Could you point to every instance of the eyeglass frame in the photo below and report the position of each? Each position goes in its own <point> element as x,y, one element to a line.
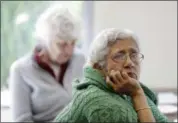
<point>125,57</point>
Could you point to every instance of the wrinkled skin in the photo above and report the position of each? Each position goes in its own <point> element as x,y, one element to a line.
<point>123,75</point>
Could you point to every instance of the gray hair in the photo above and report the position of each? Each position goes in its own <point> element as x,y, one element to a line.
<point>55,24</point>
<point>100,46</point>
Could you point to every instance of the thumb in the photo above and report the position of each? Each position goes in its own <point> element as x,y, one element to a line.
<point>109,82</point>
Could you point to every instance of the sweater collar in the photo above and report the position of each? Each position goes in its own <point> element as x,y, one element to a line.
<point>94,74</point>
<point>47,67</point>
<point>94,77</point>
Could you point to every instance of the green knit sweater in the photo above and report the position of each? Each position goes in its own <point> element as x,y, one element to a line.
<point>94,101</point>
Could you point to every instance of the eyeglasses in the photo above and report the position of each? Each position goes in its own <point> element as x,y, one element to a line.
<point>135,57</point>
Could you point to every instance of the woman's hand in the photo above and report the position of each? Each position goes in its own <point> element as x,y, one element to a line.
<point>123,84</point>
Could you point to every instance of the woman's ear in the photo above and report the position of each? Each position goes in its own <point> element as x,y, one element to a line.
<point>101,69</point>
<point>97,66</point>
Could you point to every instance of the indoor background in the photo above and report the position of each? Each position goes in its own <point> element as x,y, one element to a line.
<point>155,23</point>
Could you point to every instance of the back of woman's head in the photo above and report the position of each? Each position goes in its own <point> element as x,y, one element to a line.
<point>55,24</point>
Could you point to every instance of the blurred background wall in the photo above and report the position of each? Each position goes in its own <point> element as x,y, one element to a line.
<point>155,22</point>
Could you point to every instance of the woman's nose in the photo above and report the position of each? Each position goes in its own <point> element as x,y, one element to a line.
<point>128,62</point>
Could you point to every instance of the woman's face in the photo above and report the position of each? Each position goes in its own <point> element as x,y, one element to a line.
<point>124,55</point>
<point>61,51</point>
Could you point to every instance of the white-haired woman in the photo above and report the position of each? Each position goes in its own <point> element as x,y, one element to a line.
<point>110,90</point>
<point>40,83</point>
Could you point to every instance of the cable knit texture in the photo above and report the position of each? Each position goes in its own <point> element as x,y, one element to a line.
<point>95,101</point>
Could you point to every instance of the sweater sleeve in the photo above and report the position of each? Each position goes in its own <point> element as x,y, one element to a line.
<point>111,114</point>
<point>153,102</point>
<point>105,110</point>
<point>20,96</point>
<point>159,117</point>
<point>104,115</point>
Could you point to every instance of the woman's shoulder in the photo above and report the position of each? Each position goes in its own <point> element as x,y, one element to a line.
<point>90,93</point>
<point>91,96</point>
<point>87,90</point>
<point>20,63</point>
<point>96,103</point>
<point>90,101</point>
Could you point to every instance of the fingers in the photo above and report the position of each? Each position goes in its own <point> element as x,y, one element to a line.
<point>116,77</point>
<point>127,78</point>
<point>113,77</point>
<point>121,82</point>
<point>125,75</point>
<point>119,76</point>
<point>109,82</point>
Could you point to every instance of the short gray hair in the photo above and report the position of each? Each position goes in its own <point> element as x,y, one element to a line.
<point>100,46</point>
<point>57,23</point>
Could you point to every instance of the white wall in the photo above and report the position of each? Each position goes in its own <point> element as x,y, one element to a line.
<point>156,25</point>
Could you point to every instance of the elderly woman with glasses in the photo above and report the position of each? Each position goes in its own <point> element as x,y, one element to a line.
<point>110,90</point>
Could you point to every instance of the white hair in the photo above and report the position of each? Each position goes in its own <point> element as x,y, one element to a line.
<point>55,24</point>
<point>100,46</point>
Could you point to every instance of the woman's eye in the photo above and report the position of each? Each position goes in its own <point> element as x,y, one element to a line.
<point>134,55</point>
<point>119,56</point>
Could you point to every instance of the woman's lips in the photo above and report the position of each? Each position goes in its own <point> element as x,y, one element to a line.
<point>132,75</point>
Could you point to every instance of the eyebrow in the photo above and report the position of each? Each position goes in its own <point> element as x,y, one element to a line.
<point>133,50</point>
<point>124,51</point>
